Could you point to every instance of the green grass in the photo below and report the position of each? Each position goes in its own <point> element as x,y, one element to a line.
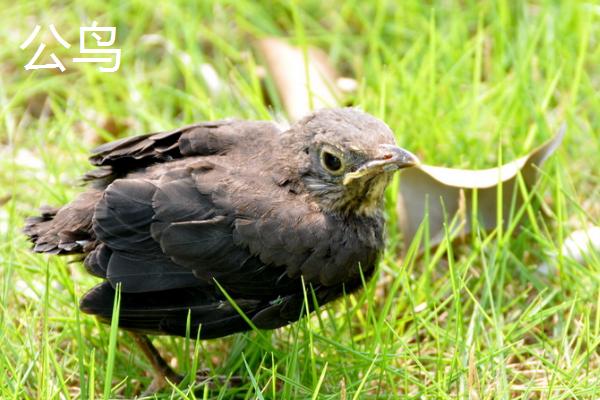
<point>458,84</point>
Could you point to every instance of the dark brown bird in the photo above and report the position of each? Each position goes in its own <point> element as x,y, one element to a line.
<point>237,206</point>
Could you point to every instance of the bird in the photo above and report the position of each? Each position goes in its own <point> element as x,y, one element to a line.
<point>218,227</point>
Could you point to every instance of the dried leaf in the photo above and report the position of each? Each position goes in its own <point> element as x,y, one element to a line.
<point>442,191</point>
<point>298,80</point>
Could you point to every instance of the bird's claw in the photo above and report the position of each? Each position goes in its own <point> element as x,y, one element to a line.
<point>204,377</point>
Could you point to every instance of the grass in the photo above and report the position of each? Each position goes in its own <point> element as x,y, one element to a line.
<point>461,85</point>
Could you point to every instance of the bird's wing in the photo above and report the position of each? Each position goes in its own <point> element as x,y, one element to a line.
<point>165,234</point>
<point>117,158</point>
<point>161,239</point>
<point>68,230</point>
<point>161,236</point>
<point>156,230</point>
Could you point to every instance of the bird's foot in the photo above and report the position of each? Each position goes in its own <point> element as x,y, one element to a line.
<point>164,375</point>
<point>204,377</point>
<point>161,381</point>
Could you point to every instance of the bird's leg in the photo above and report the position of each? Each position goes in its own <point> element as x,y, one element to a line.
<point>162,370</point>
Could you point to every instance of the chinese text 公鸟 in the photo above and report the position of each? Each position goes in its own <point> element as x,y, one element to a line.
<point>98,52</point>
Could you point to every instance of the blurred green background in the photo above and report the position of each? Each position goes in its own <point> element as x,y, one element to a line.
<point>461,83</point>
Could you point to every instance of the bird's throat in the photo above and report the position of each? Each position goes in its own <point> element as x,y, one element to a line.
<point>366,197</point>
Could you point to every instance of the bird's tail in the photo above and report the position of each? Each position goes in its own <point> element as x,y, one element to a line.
<point>66,230</point>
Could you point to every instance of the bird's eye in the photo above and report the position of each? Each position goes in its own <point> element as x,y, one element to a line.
<point>331,162</point>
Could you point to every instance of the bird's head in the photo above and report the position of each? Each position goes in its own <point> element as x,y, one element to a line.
<point>346,158</point>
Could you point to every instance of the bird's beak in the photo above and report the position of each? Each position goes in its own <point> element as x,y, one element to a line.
<point>389,158</point>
